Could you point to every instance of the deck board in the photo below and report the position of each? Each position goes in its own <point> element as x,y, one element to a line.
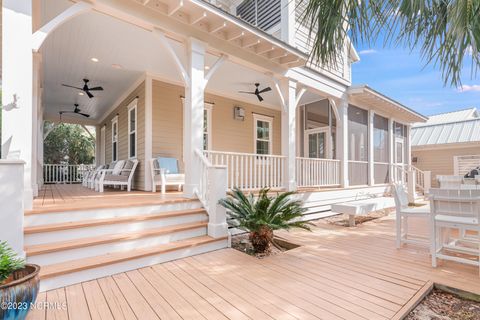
<point>337,273</point>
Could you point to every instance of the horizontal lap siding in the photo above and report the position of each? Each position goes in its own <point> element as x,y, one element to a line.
<point>122,112</point>
<point>227,134</point>
<point>440,162</point>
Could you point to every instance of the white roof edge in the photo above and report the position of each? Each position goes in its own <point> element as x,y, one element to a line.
<point>352,51</point>
<point>359,89</point>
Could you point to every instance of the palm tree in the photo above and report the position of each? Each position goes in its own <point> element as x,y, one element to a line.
<point>261,215</point>
<point>445,31</point>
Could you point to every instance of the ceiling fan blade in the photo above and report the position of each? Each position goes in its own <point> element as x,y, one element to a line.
<point>89,94</point>
<point>95,89</point>
<point>249,92</point>
<point>69,86</point>
<point>259,98</point>
<point>265,90</point>
<point>62,112</point>
<point>84,114</point>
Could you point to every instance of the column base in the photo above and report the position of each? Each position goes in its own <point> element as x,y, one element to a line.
<point>217,230</point>
<point>292,186</point>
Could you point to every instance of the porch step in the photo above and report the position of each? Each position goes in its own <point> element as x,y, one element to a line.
<point>44,254</point>
<point>74,271</point>
<point>66,231</point>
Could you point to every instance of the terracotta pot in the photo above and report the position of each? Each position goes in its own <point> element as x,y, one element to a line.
<point>17,296</point>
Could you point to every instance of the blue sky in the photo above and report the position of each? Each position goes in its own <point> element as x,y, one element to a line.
<point>403,76</point>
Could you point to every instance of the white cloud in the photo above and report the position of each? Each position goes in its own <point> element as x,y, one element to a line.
<point>466,88</point>
<point>367,51</point>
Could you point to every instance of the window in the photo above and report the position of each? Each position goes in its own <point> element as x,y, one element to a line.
<point>262,134</point>
<point>207,127</point>
<point>132,129</point>
<point>115,139</point>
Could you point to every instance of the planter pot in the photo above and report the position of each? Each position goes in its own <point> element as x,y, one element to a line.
<point>17,296</point>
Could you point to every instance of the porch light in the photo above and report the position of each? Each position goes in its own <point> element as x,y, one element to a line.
<point>94,59</point>
<point>207,68</point>
<point>81,94</point>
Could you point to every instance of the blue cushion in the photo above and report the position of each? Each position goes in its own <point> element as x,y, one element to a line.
<point>169,164</point>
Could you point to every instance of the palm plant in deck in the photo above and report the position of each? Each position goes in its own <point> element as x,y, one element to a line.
<point>445,31</point>
<point>261,215</point>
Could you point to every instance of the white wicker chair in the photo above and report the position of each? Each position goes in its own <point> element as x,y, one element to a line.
<point>118,176</point>
<point>164,172</point>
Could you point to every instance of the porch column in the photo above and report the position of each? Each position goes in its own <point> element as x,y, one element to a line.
<point>408,154</point>
<point>371,159</point>
<point>391,145</point>
<point>342,140</point>
<point>148,132</point>
<point>289,89</point>
<point>17,86</point>
<point>193,112</point>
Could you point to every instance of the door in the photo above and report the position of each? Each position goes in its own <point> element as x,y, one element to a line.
<point>316,142</point>
<point>399,160</point>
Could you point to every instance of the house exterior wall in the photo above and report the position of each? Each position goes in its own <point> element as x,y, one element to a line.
<point>122,112</point>
<point>227,134</point>
<point>440,160</point>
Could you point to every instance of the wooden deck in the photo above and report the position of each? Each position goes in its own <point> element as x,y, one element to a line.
<point>64,197</point>
<point>337,273</point>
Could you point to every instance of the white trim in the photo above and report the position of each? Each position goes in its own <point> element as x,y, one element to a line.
<point>102,144</point>
<point>115,138</point>
<point>269,120</point>
<point>132,107</point>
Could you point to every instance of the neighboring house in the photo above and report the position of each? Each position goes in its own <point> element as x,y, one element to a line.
<point>173,73</point>
<point>448,143</point>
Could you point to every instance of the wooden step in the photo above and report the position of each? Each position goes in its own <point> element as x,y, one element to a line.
<point>109,238</point>
<point>113,220</point>
<point>63,268</point>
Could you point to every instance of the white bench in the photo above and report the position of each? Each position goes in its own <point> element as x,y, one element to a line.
<point>362,207</point>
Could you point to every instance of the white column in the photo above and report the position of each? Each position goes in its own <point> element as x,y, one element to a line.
<point>408,145</point>
<point>148,132</point>
<point>98,145</point>
<point>371,167</point>
<point>287,24</point>
<point>391,146</point>
<point>17,83</point>
<point>289,89</point>
<point>193,112</point>
<point>342,140</point>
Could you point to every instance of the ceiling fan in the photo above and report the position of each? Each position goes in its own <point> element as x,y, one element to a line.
<point>76,110</point>
<point>257,92</point>
<point>85,88</point>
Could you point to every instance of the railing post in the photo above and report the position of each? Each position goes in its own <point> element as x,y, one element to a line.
<point>217,216</point>
<point>427,181</point>
<point>411,183</point>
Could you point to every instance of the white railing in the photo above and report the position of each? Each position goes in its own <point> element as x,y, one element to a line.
<point>399,173</point>
<point>312,172</point>
<point>211,188</point>
<point>249,171</point>
<point>65,173</point>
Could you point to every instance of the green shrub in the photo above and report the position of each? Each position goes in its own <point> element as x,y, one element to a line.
<point>9,261</point>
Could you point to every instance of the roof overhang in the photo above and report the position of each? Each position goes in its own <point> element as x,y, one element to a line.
<point>375,100</point>
<point>208,20</point>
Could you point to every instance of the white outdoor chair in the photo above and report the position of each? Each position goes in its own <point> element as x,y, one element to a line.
<point>89,175</point>
<point>460,210</point>
<point>164,172</point>
<point>121,175</point>
<point>403,213</point>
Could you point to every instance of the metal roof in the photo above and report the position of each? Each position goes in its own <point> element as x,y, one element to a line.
<point>462,131</point>
<point>453,116</point>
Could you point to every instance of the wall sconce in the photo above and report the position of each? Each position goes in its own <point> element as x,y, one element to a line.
<point>238,113</point>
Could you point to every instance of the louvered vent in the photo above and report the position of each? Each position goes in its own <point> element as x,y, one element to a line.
<point>263,14</point>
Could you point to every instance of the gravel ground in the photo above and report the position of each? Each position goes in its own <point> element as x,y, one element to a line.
<point>241,243</point>
<point>440,305</point>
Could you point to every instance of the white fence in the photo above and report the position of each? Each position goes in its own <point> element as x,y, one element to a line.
<point>249,171</point>
<point>312,172</point>
<point>65,173</point>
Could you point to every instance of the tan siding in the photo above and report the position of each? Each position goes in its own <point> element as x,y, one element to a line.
<point>440,161</point>
<point>121,110</point>
<point>227,134</point>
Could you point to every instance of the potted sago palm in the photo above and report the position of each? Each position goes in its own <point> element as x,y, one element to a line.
<point>261,215</point>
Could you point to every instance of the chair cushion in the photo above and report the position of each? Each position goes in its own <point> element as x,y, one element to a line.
<point>117,169</point>
<point>169,164</point>
<point>116,178</point>
<point>127,168</point>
